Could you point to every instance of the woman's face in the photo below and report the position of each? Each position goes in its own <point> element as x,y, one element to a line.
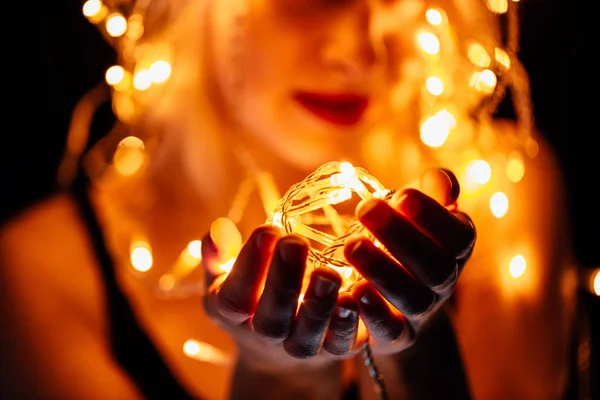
<point>315,75</point>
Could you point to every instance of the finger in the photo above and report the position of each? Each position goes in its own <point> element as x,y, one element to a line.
<point>400,288</point>
<point>210,261</point>
<point>420,255</point>
<point>237,297</point>
<point>441,185</point>
<point>383,322</point>
<point>278,303</point>
<point>343,327</point>
<point>451,231</point>
<point>320,299</point>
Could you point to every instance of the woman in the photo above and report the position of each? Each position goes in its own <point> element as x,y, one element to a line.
<point>272,89</point>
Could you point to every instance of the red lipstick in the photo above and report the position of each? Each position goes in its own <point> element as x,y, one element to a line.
<point>341,109</point>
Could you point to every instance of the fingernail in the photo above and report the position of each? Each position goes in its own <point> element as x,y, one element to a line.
<point>367,297</point>
<point>376,214</point>
<point>265,239</point>
<point>409,203</point>
<point>292,250</point>
<point>357,249</point>
<point>324,286</point>
<point>343,312</point>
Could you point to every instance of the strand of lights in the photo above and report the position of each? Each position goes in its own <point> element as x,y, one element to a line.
<point>140,70</point>
<point>330,185</point>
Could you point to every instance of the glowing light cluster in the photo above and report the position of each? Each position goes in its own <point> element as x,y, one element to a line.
<point>309,205</point>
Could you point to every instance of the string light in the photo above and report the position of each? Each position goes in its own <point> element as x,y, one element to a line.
<point>484,81</point>
<point>116,25</point>
<point>160,71</point>
<point>429,43</point>
<point>596,282</point>
<point>205,352</point>
<point>436,129</point>
<point>499,204</point>
<point>141,256</point>
<point>330,185</point>
<point>434,85</point>
<point>502,57</point>
<point>498,6</point>
<point>517,266</point>
<point>434,16</point>
<point>478,55</point>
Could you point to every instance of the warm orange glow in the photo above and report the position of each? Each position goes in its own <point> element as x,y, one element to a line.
<point>515,167</point>
<point>478,171</point>
<point>434,85</point>
<point>436,129</point>
<point>596,283</point>
<point>499,204</point>
<point>498,6</point>
<point>160,71</point>
<point>429,42</point>
<point>478,55</point>
<point>129,156</point>
<point>227,265</point>
<point>141,256</point>
<point>205,352</point>
<point>135,27</point>
<point>502,57</point>
<point>484,81</point>
<point>92,8</point>
<point>116,25</point>
<point>434,16</point>
<point>114,75</point>
<point>517,266</point>
<point>194,249</point>
<point>142,80</point>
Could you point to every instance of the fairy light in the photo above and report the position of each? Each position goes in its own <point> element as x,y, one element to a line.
<point>484,81</point>
<point>205,352</point>
<point>502,57</point>
<point>429,43</point>
<point>142,80</point>
<point>331,184</point>
<point>434,85</point>
<point>116,25</point>
<point>499,204</point>
<point>478,55</point>
<point>478,171</point>
<point>141,256</point>
<point>595,280</point>
<point>498,6</point>
<point>515,167</point>
<point>517,266</point>
<point>159,71</point>
<point>129,156</point>
<point>436,129</point>
<point>114,75</point>
<point>434,16</point>
<point>92,8</point>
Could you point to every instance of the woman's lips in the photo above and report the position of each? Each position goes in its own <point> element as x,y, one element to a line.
<point>341,109</point>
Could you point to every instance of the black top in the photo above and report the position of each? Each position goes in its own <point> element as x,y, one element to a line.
<point>131,346</point>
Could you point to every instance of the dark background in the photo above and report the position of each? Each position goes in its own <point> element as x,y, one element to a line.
<point>50,56</point>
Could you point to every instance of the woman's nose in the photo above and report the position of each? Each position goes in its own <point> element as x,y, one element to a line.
<point>352,45</point>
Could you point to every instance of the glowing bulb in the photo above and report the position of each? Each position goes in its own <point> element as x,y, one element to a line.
<point>205,352</point>
<point>434,16</point>
<point>478,171</point>
<point>517,266</point>
<point>515,167</point>
<point>160,71</point>
<point>429,42</point>
<point>116,25</point>
<point>114,75</point>
<point>498,6</point>
<point>502,57</point>
<point>499,204</point>
<point>596,283</point>
<point>135,28</point>
<point>194,248</point>
<point>484,81</point>
<point>92,8</point>
<point>129,156</point>
<point>142,80</point>
<point>434,85</point>
<point>436,129</point>
<point>478,55</point>
<point>141,256</point>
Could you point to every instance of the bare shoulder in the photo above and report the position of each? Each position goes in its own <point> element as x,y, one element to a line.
<point>53,309</point>
<point>46,248</point>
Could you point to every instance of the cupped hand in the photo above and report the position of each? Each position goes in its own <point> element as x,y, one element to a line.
<point>257,302</point>
<point>428,242</point>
